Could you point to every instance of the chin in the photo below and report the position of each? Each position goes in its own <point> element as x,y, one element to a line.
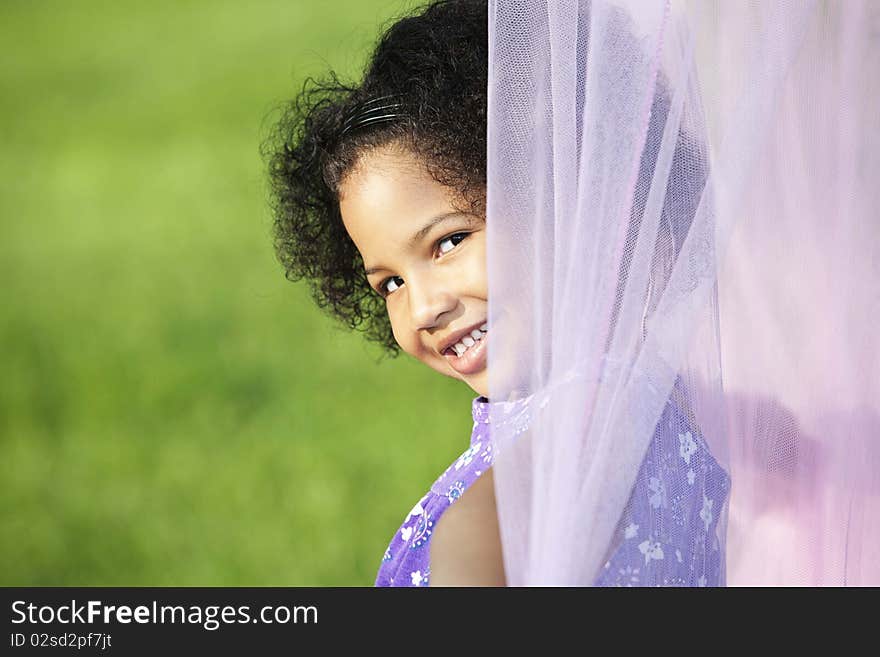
<point>479,383</point>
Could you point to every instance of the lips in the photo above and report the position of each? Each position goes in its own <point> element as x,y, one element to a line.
<point>449,343</point>
<point>471,361</point>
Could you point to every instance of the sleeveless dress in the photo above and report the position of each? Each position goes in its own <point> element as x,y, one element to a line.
<point>678,480</point>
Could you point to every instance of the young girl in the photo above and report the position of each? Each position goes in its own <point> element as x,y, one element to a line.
<point>380,202</point>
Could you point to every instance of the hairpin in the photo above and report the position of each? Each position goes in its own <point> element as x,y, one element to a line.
<point>371,112</point>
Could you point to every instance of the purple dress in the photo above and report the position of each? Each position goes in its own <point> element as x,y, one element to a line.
<point>678,479</point>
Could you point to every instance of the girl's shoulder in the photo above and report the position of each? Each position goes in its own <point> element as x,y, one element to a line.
<point>407,560</point>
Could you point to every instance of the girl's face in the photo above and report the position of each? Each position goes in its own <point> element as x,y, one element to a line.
<point>426,258</point>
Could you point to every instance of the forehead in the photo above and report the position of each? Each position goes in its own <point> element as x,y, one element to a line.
<point>387,196</point>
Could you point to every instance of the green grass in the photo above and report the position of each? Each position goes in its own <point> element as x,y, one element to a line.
<point>172,411</point>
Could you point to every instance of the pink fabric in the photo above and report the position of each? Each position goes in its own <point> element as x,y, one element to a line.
<point>682,205</point>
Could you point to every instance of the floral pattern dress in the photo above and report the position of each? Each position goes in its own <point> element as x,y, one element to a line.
<point>679,482</point>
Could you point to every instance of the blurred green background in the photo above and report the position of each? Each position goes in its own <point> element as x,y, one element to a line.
<point>172,411</point>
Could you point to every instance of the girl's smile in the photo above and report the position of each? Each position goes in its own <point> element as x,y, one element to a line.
<point>467,353</point>
<point>426,257</point>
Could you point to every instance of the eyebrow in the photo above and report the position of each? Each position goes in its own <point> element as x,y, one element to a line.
<point>424,230</point>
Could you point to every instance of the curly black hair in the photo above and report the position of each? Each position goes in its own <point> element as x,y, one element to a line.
<point>434,64</point>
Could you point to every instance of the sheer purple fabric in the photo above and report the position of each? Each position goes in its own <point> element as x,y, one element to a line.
<point>682,208</point>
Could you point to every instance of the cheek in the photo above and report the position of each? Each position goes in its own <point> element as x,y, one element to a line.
<point>479,275</point>
<point>403,338</point>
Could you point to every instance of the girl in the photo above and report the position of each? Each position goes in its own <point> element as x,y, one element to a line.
<point>380,193</point>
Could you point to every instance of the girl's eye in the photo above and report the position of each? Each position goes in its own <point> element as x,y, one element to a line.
<point>445,245</point>
<point>385,288</point>
<point>448,243</point>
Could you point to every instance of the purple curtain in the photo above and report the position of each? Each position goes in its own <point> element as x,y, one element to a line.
<point>684,275</point>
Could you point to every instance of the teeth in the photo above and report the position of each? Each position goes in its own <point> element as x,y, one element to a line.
<point>469,341</point>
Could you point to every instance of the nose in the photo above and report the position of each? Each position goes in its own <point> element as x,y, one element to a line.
<point>429,299</point>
